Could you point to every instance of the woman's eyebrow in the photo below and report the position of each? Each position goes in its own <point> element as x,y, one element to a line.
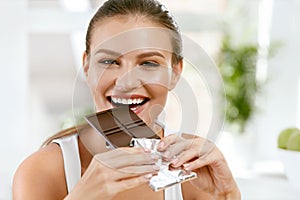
<point>109,52</point>
<point>150,54</point>
<point>142,55</point>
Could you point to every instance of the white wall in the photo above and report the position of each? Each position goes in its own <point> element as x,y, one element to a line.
<point>13,87</point>
<point>279,99</point>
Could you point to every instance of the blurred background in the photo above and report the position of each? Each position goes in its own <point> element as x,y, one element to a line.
<point>255,44</point>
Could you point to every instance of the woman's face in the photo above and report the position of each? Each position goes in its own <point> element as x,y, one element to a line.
<point>130,64</point>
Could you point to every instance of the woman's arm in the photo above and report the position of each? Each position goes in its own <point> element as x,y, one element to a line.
<point>41,176</point>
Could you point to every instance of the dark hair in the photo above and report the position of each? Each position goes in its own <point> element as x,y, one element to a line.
<point>150,9</point>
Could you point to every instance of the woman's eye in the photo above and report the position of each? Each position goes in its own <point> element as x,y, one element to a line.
<point>150,64</point>
<point>108,62</point>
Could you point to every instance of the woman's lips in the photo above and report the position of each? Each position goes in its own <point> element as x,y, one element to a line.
<point>138,109</point>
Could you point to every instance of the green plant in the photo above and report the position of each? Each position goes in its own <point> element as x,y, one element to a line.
<point>237,65</point>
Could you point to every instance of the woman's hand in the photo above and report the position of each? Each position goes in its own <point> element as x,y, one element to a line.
<point>203,157</point>
<point>115,171</point>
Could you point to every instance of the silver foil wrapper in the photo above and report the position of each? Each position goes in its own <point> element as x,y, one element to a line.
<point>166,177</point>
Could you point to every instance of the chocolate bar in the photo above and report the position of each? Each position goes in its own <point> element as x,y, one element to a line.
<point>119,125</point>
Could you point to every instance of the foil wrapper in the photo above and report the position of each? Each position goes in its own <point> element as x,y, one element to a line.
<point>166,176</point>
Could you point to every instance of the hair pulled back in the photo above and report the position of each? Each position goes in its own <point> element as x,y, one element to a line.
<point>150,9</point>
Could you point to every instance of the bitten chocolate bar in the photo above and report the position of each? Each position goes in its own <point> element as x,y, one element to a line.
<point>119,125</point>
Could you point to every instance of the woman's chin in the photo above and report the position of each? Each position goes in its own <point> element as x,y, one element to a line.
<point>148,114</point>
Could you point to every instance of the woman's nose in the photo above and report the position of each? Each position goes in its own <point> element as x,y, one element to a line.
<point>128,81</point>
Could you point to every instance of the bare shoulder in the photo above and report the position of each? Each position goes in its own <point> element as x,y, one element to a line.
<point>41,175</point>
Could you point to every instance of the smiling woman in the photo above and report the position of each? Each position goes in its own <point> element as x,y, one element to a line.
<point>133,58</point>
<point>140,78</point>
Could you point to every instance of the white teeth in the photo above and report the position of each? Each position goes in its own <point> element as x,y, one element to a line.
<point>133,108</point>
<point>127,101</point>
<point>119,100</point>
<point>139,101</point>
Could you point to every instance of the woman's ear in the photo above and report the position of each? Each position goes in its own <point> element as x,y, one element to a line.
<point>176,73</point>
<point>85,63</point>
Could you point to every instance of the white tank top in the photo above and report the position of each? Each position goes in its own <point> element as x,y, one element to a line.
<point>72,166</point>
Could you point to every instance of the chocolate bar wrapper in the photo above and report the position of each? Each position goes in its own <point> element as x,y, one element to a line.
<point>166,177</point>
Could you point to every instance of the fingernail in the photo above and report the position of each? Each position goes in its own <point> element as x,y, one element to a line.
<point>174,161</point>
<point>161,145</point>
<point>167,154</point>
<point>148,176</point>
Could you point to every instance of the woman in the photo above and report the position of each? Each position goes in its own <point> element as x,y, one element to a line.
<point>132,57</point>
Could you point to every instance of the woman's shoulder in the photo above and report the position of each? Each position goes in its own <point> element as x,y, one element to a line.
<point>40,160</point>
<point>40,174</point>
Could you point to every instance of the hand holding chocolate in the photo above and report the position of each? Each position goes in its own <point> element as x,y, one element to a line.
<point>120,127</point>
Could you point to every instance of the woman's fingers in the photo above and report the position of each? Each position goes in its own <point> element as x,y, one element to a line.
<point>175,149</point>
<point>130,183</point>
<point>180,146</point>
<point>133,171</point>
<point>197,163</point>
<point>126,158</point>
<point>127,168</point>
<point>174,144</point>
<point>187,150</point>
<point>211,158</point>
<point>167,141</point>
<point>113,187</point>
<point>115,174</point>
<point>130,160</point>
<point>184,157</point>
<point>119,152</point>
<point>127,163</point>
